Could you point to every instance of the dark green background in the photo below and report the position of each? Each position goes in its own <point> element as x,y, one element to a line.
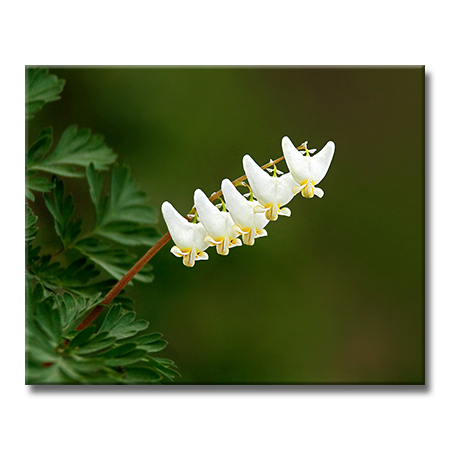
<point>335,293</point>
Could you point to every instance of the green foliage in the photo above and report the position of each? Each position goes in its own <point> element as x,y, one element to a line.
<point>30,220</point>
<point>40,88</point>
<point>62,209</point>
<point>58,353</point>
<point>123,216</point>
<point>75,151</point>
<point>64,287</point>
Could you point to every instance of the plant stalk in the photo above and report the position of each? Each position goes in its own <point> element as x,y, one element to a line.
<point>146,258</point>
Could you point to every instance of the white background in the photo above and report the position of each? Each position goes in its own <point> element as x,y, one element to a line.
<point>226,33</point>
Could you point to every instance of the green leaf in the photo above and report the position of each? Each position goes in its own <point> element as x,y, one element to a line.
<point>62,209</point>
<point>123,216</point>
<point>117,262</point>
<point>100,342</point>
<point>30,220</point>
<point>76,150</point>
<point>130,358</point>
<point>127,202</point>
<point>129,234</point>
<point>29,195</point>
<point>126,303</point>
<point>82,337</point>
<point>139,375</point>
<point>74,278</point>
<point>119,351</point>
<point>111,318</point>
<point>40,88</point>
<point>164,367</point>
<point>95,185</point>
<point>40,147</point>
<point>78,274</point>
<point>73,309</point>
<point>39,184</point>
<point>146,339</point>
<point>155,346</point>
<point>122,324</point>
<point>48,320</point>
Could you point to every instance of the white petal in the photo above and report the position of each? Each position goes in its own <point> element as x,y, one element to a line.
<point>296,162</point>
<point>285,212</point>
<point>319,192</point>
<point>211,218</point>
<point>238,229</point>
<point>261,233</point>
<point>260,221</point>
<point>260,181</point>
<point>211,241</point>
<point>321,162</point>
<point>235,243</point>
<point>286,183</point>
<point>258,209</point>
<point>202,256</point>
<point>176,251</point>
<point>199,236</point>
<point>179,228</point>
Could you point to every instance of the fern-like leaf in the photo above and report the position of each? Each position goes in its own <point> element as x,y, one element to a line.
<point>123,216</point>
<point>40,88</point>
<point>76,149</point>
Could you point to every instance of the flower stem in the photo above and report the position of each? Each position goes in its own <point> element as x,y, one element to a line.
<point>146,258</point>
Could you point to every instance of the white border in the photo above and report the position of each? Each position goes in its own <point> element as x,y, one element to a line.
<point>231,33</point>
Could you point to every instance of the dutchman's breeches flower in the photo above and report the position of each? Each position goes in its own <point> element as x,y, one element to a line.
<point>242,217</point>
<point>218,224</point>
<point>272,192</point>
<point>247,223</point>
<point>308,171</point>
<point>188,237</point>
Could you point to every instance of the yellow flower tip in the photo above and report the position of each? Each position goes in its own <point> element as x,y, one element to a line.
<point>189,258</point>
<point>272,212</point>
<point>296,190</point>
<point>210,240</point>
<point>249,237</point>
<point>223,248</point>
<point>308,191</point>
<point>239,230</point>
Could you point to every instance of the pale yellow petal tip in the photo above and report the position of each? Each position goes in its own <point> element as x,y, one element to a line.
<point>176,251</point>
<point>261,233</point>
<point>319,192</point>
<point>285,212</point>
<point>235,243</point>
<point>259,209</point>
<point>296,189</point>
<point>202,256</point>
<point>237,229</point>
<point>211,241</point>
<point>223,248</point>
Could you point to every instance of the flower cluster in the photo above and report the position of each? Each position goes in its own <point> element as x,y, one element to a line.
<point>221,225</point>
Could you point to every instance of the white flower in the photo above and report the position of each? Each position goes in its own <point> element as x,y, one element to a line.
<point>272,192</point>
<point>247,223</point>
<point>307,170</point>
<point>188,237</point>
<point>218,224</point>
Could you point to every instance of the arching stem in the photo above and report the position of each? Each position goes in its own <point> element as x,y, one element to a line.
<point>146,258</point>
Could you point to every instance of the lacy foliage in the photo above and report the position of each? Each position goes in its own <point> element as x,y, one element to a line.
<point>64,287</point>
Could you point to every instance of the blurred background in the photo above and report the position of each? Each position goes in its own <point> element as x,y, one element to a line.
<point>335,293</point>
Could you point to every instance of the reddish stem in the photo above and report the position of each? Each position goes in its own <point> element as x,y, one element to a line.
<point>146,258</point>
